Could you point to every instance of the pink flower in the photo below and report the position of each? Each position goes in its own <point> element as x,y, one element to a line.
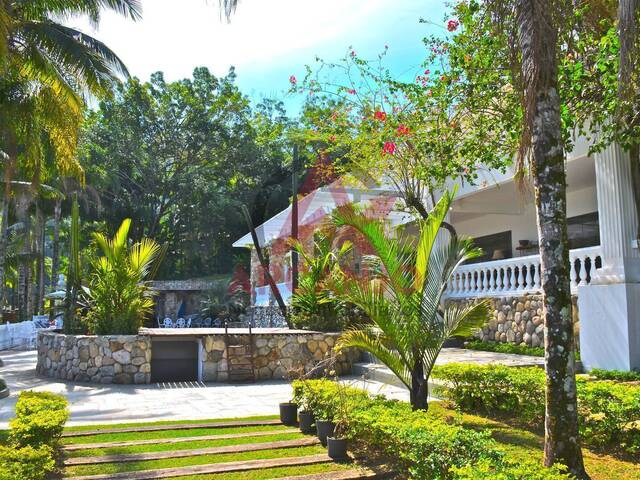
<point>351,91</point>
<point>380,116</point>
<point>403,130</point>
<point>353,54</point>
<point>452,25</point>
<point>293,80</point>
<point>427,72</point>
<point>389,148</point>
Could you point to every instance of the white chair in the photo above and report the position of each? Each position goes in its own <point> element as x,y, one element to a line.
<point>168,323</point>
<point>180,323</point>
<point>189,322</point>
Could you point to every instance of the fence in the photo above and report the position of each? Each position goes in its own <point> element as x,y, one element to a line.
<point>18,336</point>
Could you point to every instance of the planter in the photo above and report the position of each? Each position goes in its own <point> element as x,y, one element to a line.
<point>324,429</point>
<point>305,421</point>
<point>4,393</point>
<point>289,413</point>
<point>337,448</point>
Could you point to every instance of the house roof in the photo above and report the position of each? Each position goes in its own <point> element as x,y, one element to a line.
<point>315,206</point>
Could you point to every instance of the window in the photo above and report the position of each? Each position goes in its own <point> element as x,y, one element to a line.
<point>583,231</point>
<point>494,247</point>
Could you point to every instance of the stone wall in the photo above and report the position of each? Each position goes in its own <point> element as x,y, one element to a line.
<point>95,358</point>
<point>518,319</point>
<point>264,317</point>
<point>275,354</point>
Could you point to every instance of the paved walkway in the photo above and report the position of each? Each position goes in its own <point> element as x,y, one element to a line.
<point>130,403</point>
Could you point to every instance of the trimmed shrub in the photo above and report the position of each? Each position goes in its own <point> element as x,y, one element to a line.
<point>40,419</point>
<point>609,411</point>
<point>619,375</point>
<point>504,348</point>
<point>26,463</point>
<point>413,441</point>
<point>485,470</point>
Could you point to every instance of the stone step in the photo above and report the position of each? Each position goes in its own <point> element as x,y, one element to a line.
<point>183,426</point>
<point>156,441</point>
<point>382,374</point>
<point>138,457</point>
<point>241,466</point>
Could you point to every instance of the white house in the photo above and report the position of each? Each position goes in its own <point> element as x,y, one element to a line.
<point>605,259</point>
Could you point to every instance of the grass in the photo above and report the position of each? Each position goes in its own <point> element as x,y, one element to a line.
<point>125,436</point>
<point>268,473</point>
<point>522,444</point>
<point>164,447</point>
<point>107,468</point>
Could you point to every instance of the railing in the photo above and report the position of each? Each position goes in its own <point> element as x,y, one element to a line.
<point>18,336</point>
<point>516,276</point>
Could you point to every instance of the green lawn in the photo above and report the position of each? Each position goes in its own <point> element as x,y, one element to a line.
<point>522,444</point>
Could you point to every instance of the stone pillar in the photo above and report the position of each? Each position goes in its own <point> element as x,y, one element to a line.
<point>610,306</point>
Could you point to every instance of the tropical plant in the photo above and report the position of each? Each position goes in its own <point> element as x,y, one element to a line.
<point>118,298</point>
<point>313,299</point>
<point>403,298</point>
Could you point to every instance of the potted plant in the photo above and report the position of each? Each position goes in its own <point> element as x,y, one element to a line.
<point>336,439</point>
<point>306,418</point>
<point>289,413</point>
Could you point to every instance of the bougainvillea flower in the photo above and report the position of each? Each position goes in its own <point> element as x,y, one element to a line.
<point>403,130</point>
<point>389,148</point>
<point>351,91</point>
<point>293,80</point>
<point>380,116</point>
<point>452,25</point>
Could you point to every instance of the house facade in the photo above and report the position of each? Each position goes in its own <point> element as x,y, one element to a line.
<point>500,216</point>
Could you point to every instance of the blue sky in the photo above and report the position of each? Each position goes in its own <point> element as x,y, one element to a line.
<point>268,40</point>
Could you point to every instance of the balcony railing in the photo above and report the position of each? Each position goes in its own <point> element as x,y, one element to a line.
<point>519,275</point>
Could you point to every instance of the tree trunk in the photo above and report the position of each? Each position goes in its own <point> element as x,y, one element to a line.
<point>55,247</point>
<point>40,261</point>
<point>419,392</point>
<point>538,43</point>
<point>4,219</point>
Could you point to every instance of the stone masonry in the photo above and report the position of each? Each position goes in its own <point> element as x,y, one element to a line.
<point>95,358</point>
<point>519,320</point>
<point>275,356</point>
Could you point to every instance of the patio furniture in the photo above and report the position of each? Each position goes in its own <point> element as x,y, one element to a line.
<point>196,322</point>
<point>168,323</point>
<point>180,323</point>
<point>188,322</point>
<point>206,323</point>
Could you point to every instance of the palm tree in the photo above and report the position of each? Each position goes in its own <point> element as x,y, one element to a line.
<point>533,27</point>
<point>403,298</point>
<point>118,297</point>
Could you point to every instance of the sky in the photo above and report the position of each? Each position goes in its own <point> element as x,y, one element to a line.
<point>268,40</point>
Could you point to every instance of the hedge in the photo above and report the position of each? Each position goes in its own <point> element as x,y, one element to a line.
<point>33,436</point>
<point>609,412</point>
<point>413,442</point>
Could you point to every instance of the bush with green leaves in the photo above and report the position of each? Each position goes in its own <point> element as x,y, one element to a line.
<point>40,419</point>
<point>26,463</point>
<point>609,412</point>
<point>118,297</point>
<point>618,375</point>
<point>504,348</point>
<point>413,441</point>
<point>509,470</point>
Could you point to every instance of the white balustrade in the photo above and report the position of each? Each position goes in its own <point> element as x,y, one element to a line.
<point>515,276</point>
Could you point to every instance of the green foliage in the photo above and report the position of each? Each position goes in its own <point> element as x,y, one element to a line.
<point>412,441</point>
<point>504,348</point>
<point>40,419</point>
<point>179,158</point>
<point>609,412</point>
<point>510,470</point>
<point>118,297</point>
<point>618,375</point>
<point>403,296</point>
<point>26,463</point>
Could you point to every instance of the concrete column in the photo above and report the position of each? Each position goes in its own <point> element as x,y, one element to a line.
<point>610,306</point>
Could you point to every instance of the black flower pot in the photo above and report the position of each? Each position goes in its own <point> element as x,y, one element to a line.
<point>289,413</point>
<point>337,448</point>
<point>4,392</point>
<point>324,428</point>
<point>305,421</point>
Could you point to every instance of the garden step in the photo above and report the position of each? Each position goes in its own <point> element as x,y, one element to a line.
<point>240,466</point>
<point>380,373</point>
<point>352,474</point>
<point>138,457</point>
<point>184,426</point>
<point>154,441</point>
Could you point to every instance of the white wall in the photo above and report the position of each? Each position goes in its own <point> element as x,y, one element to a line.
<point>523,226</point>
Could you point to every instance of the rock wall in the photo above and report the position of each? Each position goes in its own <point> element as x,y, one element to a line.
<point>95,358</point>
<point>518,319</point>
<point>276,355</point>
